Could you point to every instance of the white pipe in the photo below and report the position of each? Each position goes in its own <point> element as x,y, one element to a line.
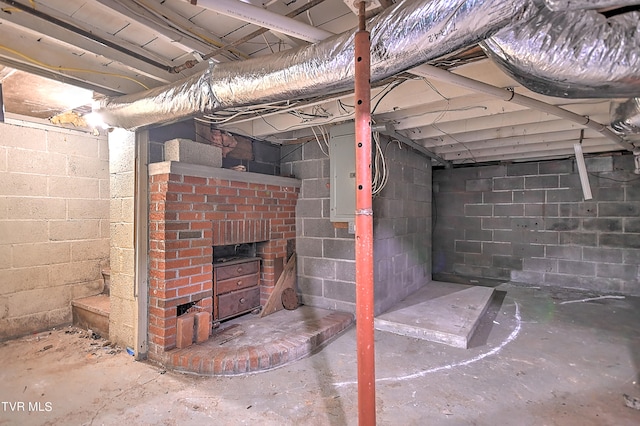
<point>582,171</point>
<point>428,71</point>
<point>266,19</point>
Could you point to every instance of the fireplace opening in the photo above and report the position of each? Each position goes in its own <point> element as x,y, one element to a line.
<point>236,281</point>
<point>185,308</point>
<point>222,254</point>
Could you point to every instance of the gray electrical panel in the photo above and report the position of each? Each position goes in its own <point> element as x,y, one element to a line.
<point>342,167</point>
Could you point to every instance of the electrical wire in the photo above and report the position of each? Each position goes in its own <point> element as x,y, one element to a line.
<point>460,142</point>
<point>318,140</point>
<point>182,29</point>
<point>70,69</point>
<point>599,176</point>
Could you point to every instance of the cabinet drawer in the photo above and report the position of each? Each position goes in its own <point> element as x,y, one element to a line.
<point>238,302</point>
<point>230,271</point>
<point>237,283</point>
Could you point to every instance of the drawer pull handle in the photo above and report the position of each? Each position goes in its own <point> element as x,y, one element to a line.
<point>242,300</point>
<point>239,283</point>
<point>239,268</point>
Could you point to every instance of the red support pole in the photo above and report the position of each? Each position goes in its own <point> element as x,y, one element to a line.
<point>364,230</point>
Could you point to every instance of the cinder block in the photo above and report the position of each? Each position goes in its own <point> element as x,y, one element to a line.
<point>185,330</point>
<point>22,184</point>
<point>339,249</point>
<point>122,185</point>
<point>318,267</point>
<point>478,235</point>
<point>584,209</point>
<point>507,262</point>
<point>633,193</point>
<point>478,185</point>
<point>346,271</point>
<point>501,197</point>
<point>18,232</point>
<point>88,209</point>
<point>577,268</point>
<point>290,153</point>
<point>564,252</point>
<point>564,195</point>
<point>528,250</point>
<point>340,290</point>
<point>625,272</point>
<point>68,187</point>
<point>632,225</point>
<point>579,238</point>
<point>309,208</point>
<point>619,209</point>
<point>24,137</point>
<point>555,167</point>
<point>538,182</point>
<point>86,167</point>
<point>468,247</point>
<point>540,265</point>
<point>522,169</point>
<point>529,196</point>
<point>608,193</point>
<point>598,254</point>
<point>191,152</point>
<point>508,210</point>
<point>528,277</point>
<point>599,164</point>
<point>478,209</point>
<point>562,224</point>
<point>202,326</point>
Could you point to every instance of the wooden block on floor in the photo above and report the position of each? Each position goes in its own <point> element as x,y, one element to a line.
<point>184,336</point>
<point>203,326</point>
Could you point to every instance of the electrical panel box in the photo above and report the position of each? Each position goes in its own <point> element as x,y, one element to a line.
<point>342,168</point>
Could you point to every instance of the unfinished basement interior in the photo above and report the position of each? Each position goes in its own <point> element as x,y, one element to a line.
<point>320,212</point>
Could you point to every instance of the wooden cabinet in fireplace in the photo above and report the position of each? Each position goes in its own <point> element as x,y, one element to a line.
<point>236,287</point>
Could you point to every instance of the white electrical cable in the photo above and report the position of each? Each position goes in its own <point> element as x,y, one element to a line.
<point>318,140</point>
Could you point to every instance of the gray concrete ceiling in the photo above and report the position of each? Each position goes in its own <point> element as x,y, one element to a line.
<point>69,51</point>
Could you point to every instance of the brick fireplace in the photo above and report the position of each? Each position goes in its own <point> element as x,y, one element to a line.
<point>194,208</point>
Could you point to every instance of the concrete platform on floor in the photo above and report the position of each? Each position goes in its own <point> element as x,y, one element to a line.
<point>440,312</point>
<point>539,356</point>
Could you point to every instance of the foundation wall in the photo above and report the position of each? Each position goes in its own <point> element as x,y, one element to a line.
<point>54,224</point>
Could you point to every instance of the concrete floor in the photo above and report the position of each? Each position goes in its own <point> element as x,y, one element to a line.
<point>534,360</point>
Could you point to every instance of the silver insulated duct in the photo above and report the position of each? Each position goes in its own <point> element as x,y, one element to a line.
<point>572,54</point>
<point>625,116</point>
<point>587,4</point>
<point>402,37</point>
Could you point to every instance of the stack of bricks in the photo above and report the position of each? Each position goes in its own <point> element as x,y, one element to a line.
<point>188,215</point>
<point>193,327</point>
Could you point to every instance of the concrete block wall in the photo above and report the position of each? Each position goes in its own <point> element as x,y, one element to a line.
<point>528,222</point>
<point>122,318</point>
<point>54,224</point>
<point>402,231</point>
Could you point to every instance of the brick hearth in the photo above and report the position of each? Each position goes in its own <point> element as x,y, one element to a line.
<point>192,209</point>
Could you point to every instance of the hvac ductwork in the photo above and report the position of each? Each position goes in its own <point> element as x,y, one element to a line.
<point>403,36</point>
<point>586,4</point>
<point>625,116</point>
<point>572,54</point>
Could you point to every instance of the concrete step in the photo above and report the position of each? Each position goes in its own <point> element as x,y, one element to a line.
<point>92,313</point>
<point>439,312</point>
